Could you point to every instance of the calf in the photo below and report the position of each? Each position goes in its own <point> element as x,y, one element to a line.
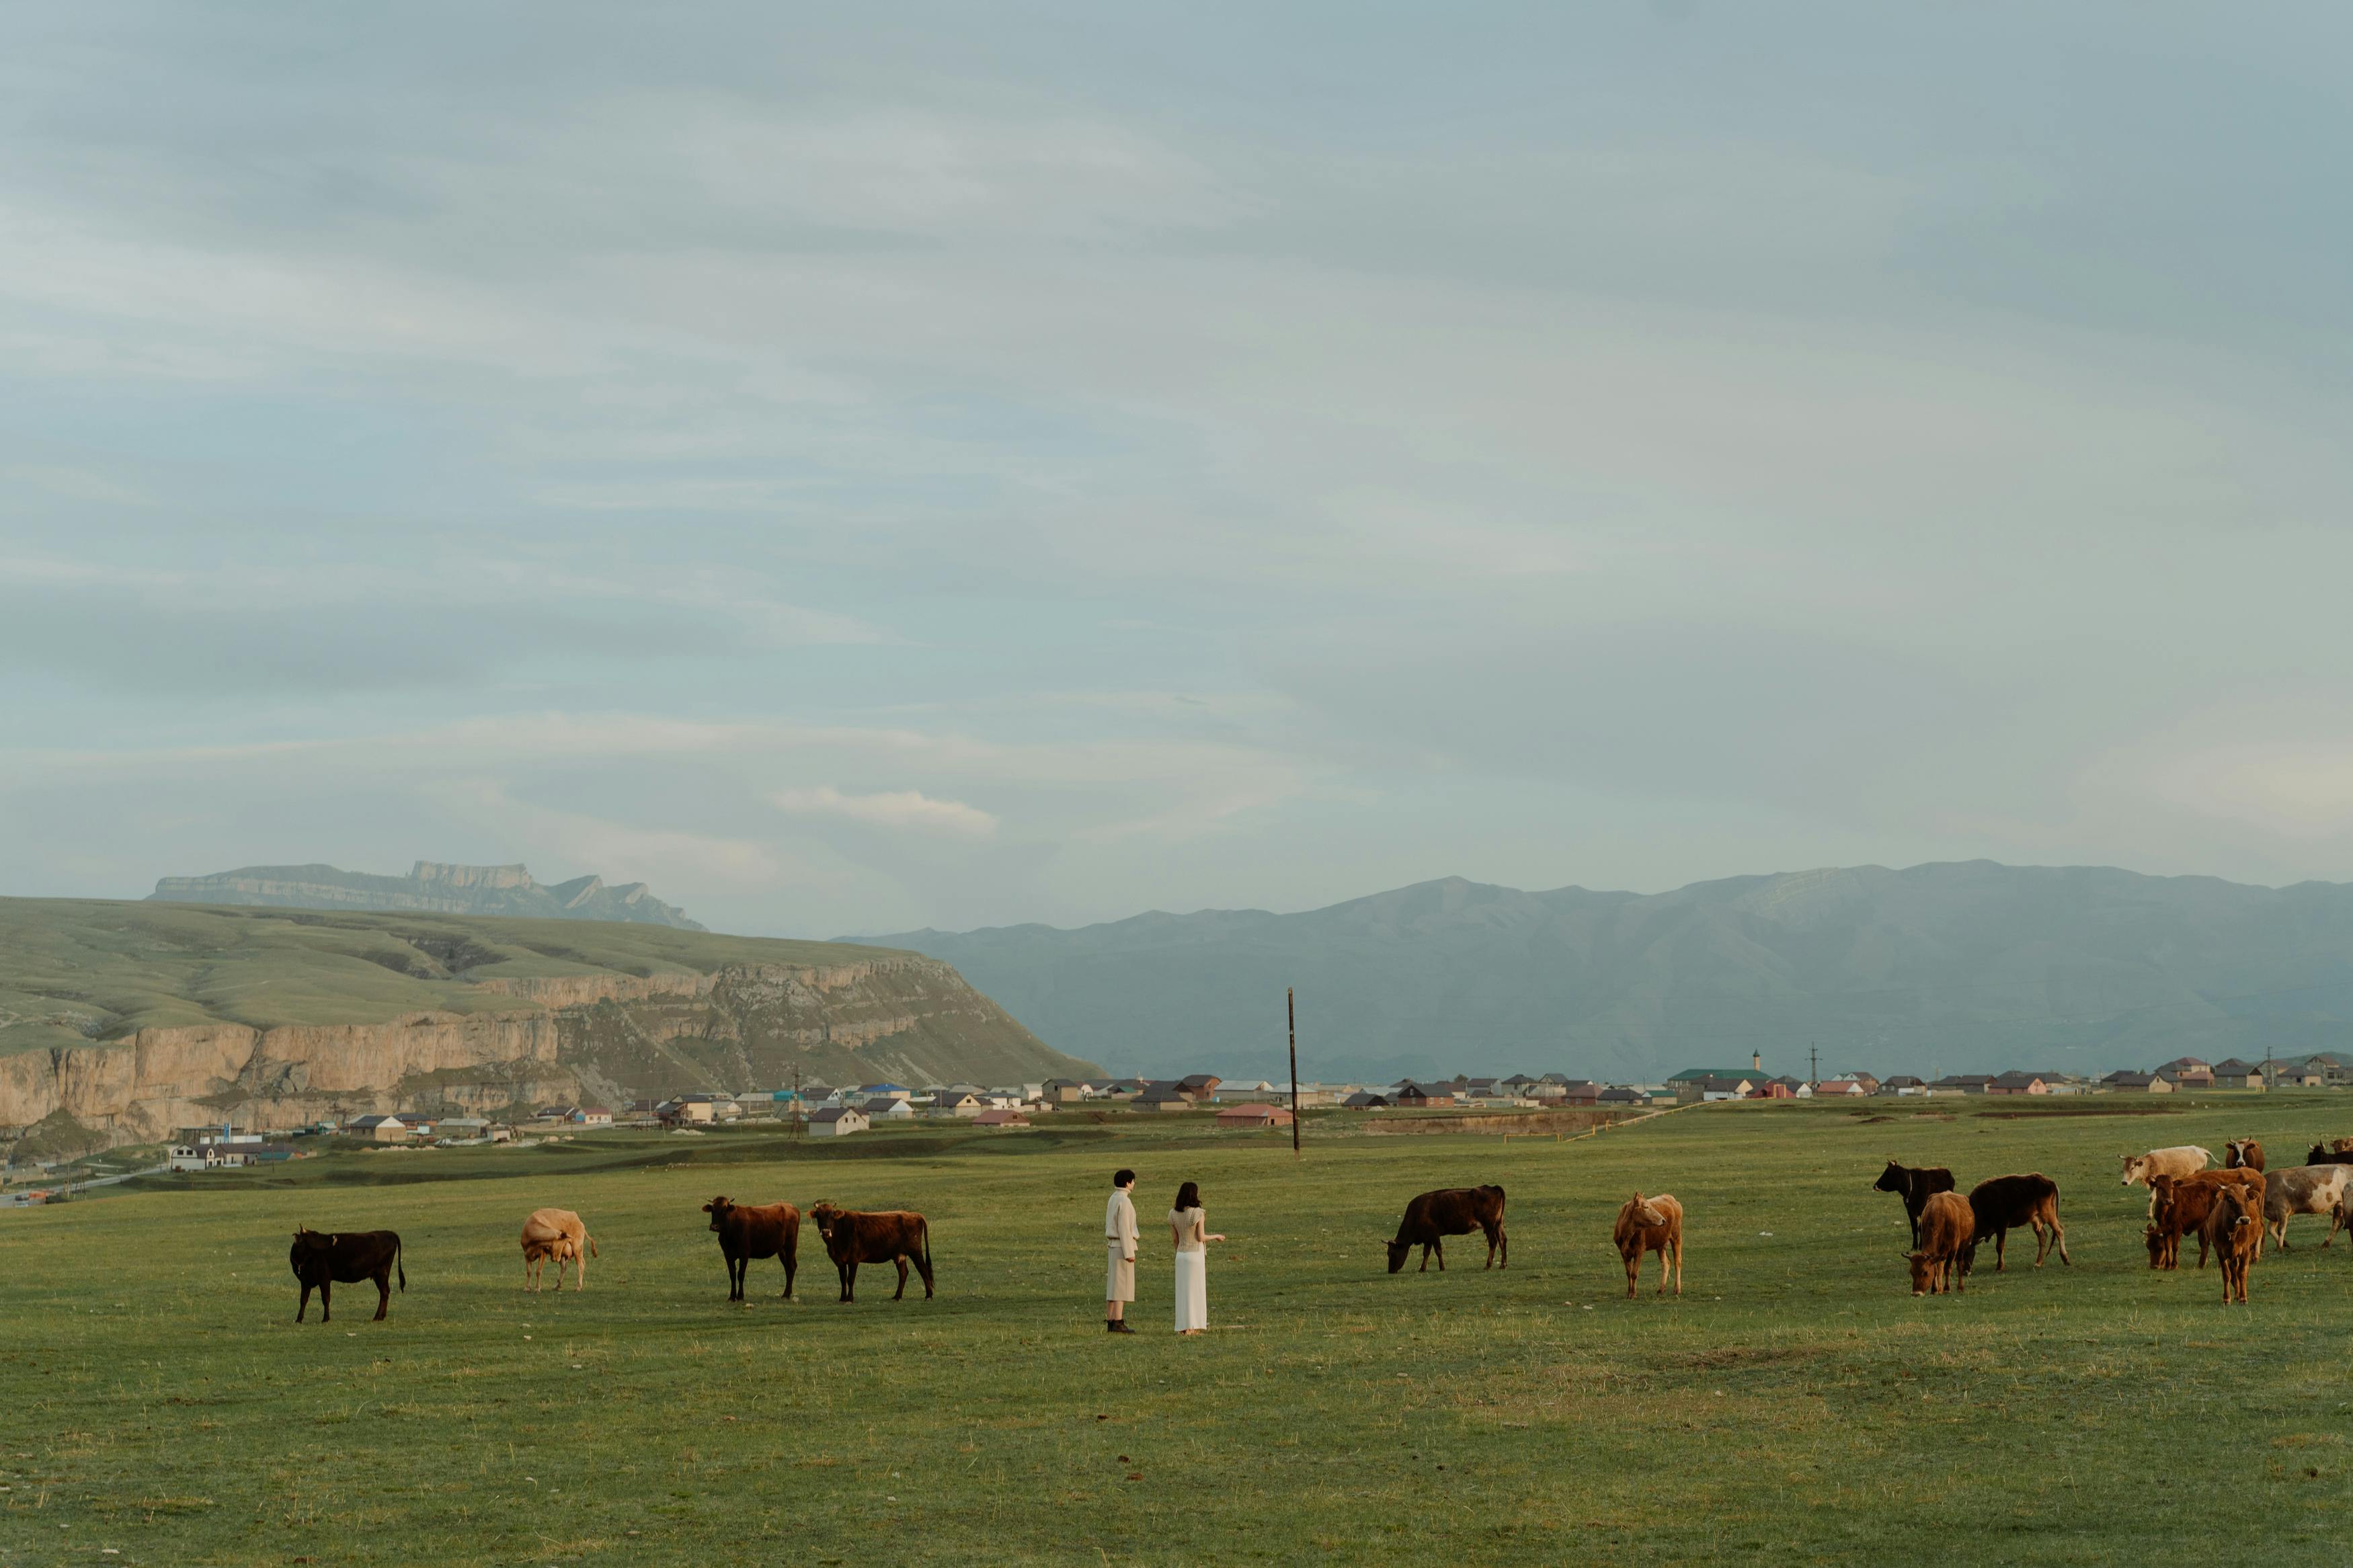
<point>1651,1224</point>
<point>749,1231</point>
<point>1450,1211</point>
<point>890,1236</point>
<point>2303,1189</point>
<point>2004,1203</point>
<point>1916,1185</point>
<point>1946,1229</point>
<point>2234,1229</point>
<point>2180,1203</point>
<point>2243,1155</point>
<point>344,1257</point>
<point>558,1234</point>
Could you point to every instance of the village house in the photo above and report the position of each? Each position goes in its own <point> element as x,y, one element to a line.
<point>837,1121</point>
<point>593,1116</point>
<point>1254,1115</point>
<point>2282,1074</point>
<point>1161,1097</point>
<point>1068,1090</point>
<point>2128,1080</point>
<point>1838,1087</point>
<point>381,1128</point>
<point>889,1111</point>
<point>952,1103</point>
<point>2189,1072</point>
<point>871,1093</point>
<point>1619,1095</point>
<point>185,1157</point>
<point>1000,1119</point>
<point>2018,1083</point>
<point>1366,1100</point>
<point>2236,1073</point>
<point>1964,1083</point>
<point>1414,1095</point>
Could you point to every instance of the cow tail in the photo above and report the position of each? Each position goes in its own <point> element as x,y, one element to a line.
<point>927,1247</point>
<point>398,1270</point>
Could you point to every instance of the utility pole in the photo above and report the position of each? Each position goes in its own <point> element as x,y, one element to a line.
<point>1290,1012</point>
<point>1813,1063</point>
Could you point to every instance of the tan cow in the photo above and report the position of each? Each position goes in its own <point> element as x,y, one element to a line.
<point>1949,1229</point>
<point>2304,1189</point>
<point>2181,1160</point>
<point>1651,1224</point>
<point>558,1234</point>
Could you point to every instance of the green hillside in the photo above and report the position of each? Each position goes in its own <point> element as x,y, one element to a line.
<point>75,970</point>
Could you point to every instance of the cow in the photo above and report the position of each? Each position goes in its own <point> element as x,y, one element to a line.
<point>2156,1240</point>
<point>2243,1155</point>
<point>2003,1204</point>
<point>2178,1160</point>
<point>2303,1189</point>
<point>1651,1224</point>
<point>324,1260</point>
<point>2234,1229</point>
<point>2333,1152</point>
<point>749,1231</point>
<point>1945,1231</point>
<point>558,1234</point>
<point>1916,1185</point>
<point>885,1236</point>
<point>2183,1203</point>
<point>1450,1211</point>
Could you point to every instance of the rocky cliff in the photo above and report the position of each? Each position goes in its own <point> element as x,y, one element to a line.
<point>430,885</point>
<point>135,1019</point>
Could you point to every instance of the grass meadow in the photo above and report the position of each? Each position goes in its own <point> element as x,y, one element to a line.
<point>158,1404</point>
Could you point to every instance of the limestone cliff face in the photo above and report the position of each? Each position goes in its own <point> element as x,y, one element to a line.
<point>742,1026</point>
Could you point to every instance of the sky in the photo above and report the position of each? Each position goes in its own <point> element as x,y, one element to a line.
<point>963,465</point>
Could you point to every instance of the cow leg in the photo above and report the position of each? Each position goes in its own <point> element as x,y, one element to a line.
<point>304,1305</point>
<point>1633,1271</point>
<point>848,1272</point>
<point>923,1267</point>
<point>1502,1245</point>
<point>1441,1245</point>
<point>900,1293</point>
<point>326,1300</point>
<point>2000,1239</point>
<point>788,1277</point>
<point>382,1293</point>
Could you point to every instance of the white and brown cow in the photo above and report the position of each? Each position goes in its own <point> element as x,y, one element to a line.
<point>2181,1160</point>
<point>2304,1189</point>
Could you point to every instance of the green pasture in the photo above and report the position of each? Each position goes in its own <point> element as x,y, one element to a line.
<point>1798,1405</point>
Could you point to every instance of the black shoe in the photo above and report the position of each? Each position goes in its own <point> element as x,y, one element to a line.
<point>1117,1326</point>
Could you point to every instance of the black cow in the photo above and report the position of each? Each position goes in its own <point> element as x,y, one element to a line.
<point>1915,1186</point>
<point>1450,1211</point>
<point>2006,1204</point>
<point>345,1257</point>
<point>895,1235</point>
<point>748,1231</point>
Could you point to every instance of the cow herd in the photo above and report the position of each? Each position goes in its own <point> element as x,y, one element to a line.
<point>2232,1211</point>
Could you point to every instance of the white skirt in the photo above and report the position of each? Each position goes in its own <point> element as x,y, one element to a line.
<point>1192,1290</point>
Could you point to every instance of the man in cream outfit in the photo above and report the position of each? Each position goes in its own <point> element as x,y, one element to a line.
<point>1119,1242</point>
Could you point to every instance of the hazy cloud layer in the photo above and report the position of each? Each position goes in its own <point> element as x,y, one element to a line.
<point>858,475</point>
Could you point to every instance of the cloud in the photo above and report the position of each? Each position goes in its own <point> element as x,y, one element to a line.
<point>902,810</point>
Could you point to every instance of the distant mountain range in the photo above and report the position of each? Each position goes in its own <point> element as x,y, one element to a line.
<point>429,885</point>
<point>1947,968</point>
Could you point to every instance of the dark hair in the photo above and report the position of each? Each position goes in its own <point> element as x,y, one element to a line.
<point>1121,1178</point>
<point>1189,1196</point>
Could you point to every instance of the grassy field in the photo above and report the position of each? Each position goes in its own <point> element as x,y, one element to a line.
<point>1796,1406</point>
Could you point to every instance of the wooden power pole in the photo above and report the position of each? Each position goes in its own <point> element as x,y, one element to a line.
<point>1290,1012</point>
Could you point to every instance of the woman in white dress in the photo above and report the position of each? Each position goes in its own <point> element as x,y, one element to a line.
<point>1189,1229</point>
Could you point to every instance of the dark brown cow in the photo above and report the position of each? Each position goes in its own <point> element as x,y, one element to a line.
<point>2234,1229</point>
<point>2330,1151</point>
<point>1450,1211</point>
<point>894,1235</point>
<point>749,1231</point>
<point>2003,1204</point>
<point>1915,1184</point>
<point>2183,1203</point>
<point>323,1260</point>
<point>2243,1155</point>
<point>1946,1232</point>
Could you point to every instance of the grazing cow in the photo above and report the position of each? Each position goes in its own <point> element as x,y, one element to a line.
<point>2234,1229</point>
<point>2005,1202</point>
<point>1945,1231</point>
<point>344,1257</point>
<point>888,1236</point>
<point>1916,1185</point>
<point>2181,1203</point>
<point>2243,1155</point>
<point>558,1234</point>
<point>2303,1189</point>
<point>2329,1152</point>
<point>1450,1211</point>
<point>749,1231</point>
<point>1651,1224</point>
